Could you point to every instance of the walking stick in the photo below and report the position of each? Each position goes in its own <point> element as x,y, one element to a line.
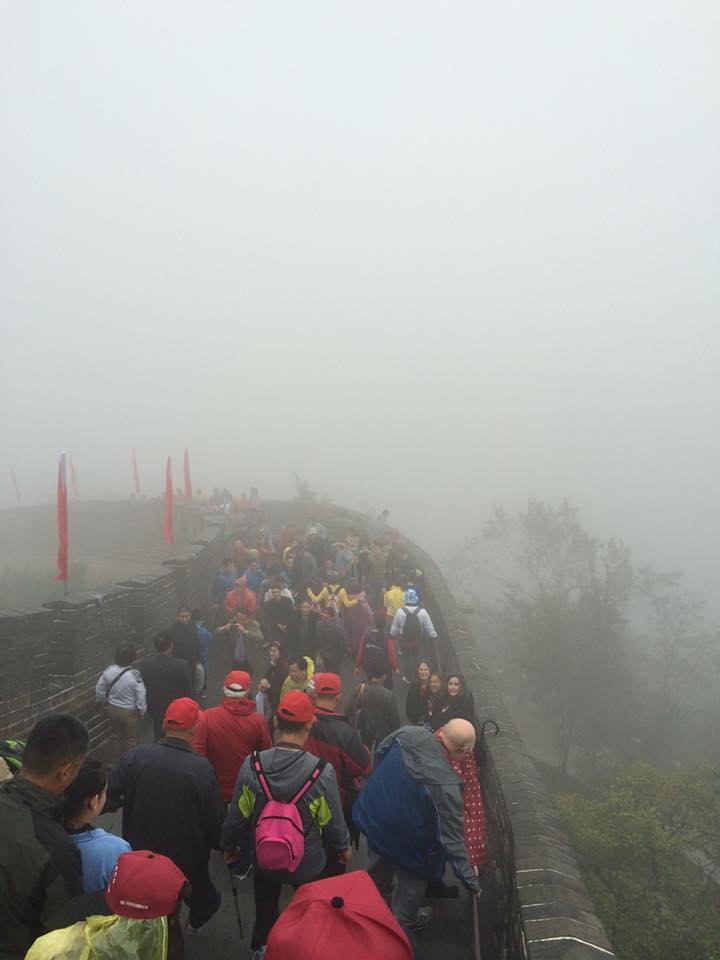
<point>234,884</point>
<point>475,896</point>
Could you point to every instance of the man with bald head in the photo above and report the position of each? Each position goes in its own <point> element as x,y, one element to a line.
<point>411,812</point>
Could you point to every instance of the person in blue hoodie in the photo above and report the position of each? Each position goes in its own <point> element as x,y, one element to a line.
<point>254,576</point>
<point>83,802</point>
<point>411,812</point>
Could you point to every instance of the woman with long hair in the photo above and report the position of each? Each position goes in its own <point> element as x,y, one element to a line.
<point>435,703</point>
<point>417,694</point>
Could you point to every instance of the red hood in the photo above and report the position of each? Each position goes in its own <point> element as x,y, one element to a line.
<point>238,706</point>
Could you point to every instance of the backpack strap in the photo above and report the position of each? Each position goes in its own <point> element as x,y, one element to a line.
<point>114,681</point>
<point>265,786</point>
<point>318,769</point>
<point>260,774</point>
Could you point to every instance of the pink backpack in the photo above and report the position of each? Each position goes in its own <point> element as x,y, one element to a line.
<point>279,834</point>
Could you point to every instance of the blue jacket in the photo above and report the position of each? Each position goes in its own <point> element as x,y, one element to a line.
<point>411,808</point>
<point>254,580</point>
<point>224,582</point>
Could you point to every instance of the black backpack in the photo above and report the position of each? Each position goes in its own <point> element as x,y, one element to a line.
<point>375,654</point>
<point>412,628</point>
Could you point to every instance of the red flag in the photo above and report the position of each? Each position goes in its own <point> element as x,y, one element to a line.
<point>186,468</point>
<point>15,486</point>
<point>62,521</point>
<point>73,479</point>
<point>168,521</point>
<point>136,475</point>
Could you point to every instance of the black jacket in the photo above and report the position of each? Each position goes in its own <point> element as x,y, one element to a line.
<point>275,612</point>
<point>333,739</point>
<point>171,802</point>
<point>185,642</point>
<point>379,711</point>
<point>304,636</point>
<point>40,866</point>
<point>331,639</point>
<point>416,703</point>
<point>166,678</point>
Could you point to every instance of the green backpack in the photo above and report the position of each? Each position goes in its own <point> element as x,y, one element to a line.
<point>11,751</point>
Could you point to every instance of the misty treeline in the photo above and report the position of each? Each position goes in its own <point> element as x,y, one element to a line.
<point>618,659</point>
<point>621,663</point>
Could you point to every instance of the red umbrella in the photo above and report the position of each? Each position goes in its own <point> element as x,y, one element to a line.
<point>339,916</point>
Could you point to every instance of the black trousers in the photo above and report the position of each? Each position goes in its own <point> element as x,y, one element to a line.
<point>204,898</point>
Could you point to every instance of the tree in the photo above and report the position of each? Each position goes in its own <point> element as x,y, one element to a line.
<point>648,850</point>
<point>677,661</point>
<point>559,606</point>
<point>619,662</point>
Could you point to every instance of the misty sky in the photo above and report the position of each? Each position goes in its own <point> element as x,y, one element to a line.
<point>431,255</point>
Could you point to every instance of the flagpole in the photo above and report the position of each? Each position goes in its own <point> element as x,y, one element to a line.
<point>62,522</point>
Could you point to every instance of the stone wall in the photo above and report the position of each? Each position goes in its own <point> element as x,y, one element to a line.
<point>52,656</point>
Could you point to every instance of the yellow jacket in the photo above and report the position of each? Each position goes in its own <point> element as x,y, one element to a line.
<point>393,600</point>
<point>340,593</point>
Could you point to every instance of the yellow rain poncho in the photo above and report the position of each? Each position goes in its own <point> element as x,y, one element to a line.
<point>104,938</point>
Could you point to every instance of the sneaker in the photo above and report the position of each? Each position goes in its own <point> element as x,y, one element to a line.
<point>422,919</point>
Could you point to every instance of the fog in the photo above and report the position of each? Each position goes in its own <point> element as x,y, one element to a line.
<point>430,256</point>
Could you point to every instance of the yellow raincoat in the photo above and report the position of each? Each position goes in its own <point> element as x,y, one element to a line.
<point>104,938</point>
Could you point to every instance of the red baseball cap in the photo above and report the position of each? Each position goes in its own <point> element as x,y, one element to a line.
<point>347,912</point>
<point>236,683</point>
<point>182,714</point>
<point>327,684</point>
<point>296,706</point>
<point>144,885</point>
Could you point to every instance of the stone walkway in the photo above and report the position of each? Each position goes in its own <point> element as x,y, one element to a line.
<point>448,936</point>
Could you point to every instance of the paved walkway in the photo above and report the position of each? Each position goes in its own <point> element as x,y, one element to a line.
<point>448,936</point>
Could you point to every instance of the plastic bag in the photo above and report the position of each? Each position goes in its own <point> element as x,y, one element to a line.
<point>261,703</point>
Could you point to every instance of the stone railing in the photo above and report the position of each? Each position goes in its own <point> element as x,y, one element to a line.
<point>52,655</point>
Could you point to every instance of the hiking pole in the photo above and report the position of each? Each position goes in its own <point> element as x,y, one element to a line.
<point>475,897</point>
<point>234,883</point>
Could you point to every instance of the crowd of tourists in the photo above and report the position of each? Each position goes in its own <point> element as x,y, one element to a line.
<point>277,776</point>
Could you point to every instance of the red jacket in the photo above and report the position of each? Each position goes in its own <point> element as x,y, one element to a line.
<point>240,601</point>
<point>228,733</point>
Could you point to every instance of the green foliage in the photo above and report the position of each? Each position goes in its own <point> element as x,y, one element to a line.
<point>560,610</point>
<point>648,849</point>
<point>618,661</point>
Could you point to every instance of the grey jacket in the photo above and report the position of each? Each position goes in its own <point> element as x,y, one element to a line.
<point>320,809</point>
